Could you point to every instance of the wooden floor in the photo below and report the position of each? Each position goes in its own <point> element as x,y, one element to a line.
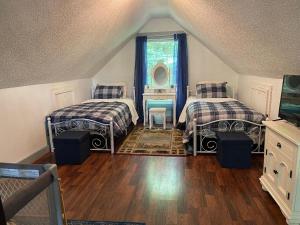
<point>166,190</point>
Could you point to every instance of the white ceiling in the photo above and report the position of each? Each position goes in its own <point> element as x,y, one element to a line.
<point>258,37</point>
<point>50,41</point>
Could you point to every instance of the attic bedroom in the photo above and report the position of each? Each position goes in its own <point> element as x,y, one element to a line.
<point>149,112</point>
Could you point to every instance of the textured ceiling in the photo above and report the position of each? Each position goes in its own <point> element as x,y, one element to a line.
<point>44,41</point>
<point>53,40</point>
<point>252,36</point>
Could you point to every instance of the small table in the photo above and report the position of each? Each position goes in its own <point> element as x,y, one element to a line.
<point>157,111</point>
<point>160,96</point>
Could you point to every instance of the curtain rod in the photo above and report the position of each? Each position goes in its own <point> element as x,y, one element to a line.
<point>160,34</point>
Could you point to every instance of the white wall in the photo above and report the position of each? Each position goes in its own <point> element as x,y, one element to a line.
<point>160,25</point>
<point>203,64</point>
<point>120,68</point>
<point>23,111</point>
<point>244,93</point>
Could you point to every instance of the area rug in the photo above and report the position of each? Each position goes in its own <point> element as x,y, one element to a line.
<point>81,222</point>
<point>153,142</point>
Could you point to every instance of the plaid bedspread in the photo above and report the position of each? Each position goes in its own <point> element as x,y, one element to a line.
<point>206,112</point>
<point>102,112</point>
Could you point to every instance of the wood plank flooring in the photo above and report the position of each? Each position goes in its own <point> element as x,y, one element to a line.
<point>166,190</point>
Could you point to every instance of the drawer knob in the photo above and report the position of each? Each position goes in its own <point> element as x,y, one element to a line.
<point>275,171</point>
<point>278,145</point>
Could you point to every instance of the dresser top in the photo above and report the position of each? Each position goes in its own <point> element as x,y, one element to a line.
<point>285,129</point>
<point>159,94</point>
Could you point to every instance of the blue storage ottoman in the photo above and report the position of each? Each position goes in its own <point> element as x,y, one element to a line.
<point>234,149</point>
<point>71,147</point>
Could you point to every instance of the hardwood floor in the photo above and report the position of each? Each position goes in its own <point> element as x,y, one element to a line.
<point>166,190</point>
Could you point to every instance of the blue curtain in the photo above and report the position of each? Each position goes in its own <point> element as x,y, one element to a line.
<point>140,73</point>
<point>181,71</point>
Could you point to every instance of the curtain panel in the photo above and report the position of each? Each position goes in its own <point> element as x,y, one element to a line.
<point>181,72</point>
<point>140,73</point>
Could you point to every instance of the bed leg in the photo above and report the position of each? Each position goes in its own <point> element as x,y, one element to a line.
<point>50,134</point>
<point>195,137</point>
<point>112,144</point>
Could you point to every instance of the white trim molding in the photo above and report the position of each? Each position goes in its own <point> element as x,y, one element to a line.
<point>261,98</point>
<point>63,96</point>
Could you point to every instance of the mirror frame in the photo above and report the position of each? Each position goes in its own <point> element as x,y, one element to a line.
<point>162,65</point>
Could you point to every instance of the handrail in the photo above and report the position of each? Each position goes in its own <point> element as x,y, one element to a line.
<point>23,196</point>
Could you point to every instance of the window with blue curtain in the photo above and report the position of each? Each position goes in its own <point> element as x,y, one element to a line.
<point>172,52</point>
<point>161,50</point>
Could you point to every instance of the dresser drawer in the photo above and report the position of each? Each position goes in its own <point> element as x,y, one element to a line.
<point>280,144</point>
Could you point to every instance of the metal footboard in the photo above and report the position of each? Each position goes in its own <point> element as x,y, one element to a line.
<point>207,134</point>
<point>102,135</point>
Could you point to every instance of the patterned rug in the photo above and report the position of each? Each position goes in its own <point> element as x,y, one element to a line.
<point>81,222</point>
<point>153,142</point>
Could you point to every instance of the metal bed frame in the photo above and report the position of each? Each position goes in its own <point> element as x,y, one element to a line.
<point>207,133</point>
<point>102,135</point>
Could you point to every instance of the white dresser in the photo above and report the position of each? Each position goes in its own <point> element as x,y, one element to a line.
<point>281,172</point>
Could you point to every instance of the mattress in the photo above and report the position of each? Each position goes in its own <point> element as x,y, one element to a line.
<point>120,111</point>
<point>208,110</point>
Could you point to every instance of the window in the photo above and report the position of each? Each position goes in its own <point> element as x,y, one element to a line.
<point>161,51</point>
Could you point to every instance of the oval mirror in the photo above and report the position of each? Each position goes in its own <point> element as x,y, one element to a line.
<point>160,75</point>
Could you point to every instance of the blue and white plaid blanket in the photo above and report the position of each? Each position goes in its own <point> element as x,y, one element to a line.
<point>102,112</point>
<point>206,112</point>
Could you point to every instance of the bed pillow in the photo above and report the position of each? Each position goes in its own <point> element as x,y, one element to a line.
<point>106,92</point>
<point>211,90</point>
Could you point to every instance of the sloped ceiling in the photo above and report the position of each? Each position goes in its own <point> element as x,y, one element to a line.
<point>258,37</point>
<point>52,40</point>
<point>44,41</point>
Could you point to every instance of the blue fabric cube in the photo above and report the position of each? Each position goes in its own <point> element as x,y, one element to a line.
<point>71,147</point>
<point>234,149</point>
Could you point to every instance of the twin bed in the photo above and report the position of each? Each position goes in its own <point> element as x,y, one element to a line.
<point>107,116</point>
<point>110,114</point>
<point>211,111</point>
